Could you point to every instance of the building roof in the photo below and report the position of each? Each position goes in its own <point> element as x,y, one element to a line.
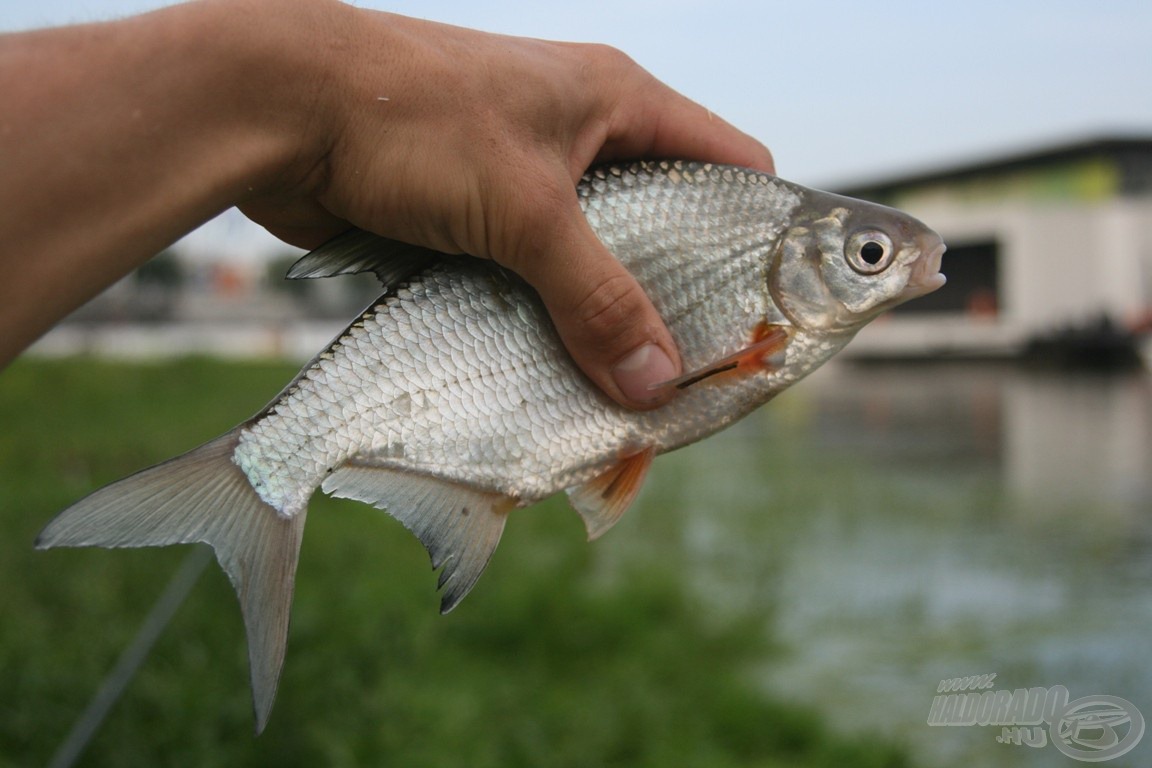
<point>1130,157</point>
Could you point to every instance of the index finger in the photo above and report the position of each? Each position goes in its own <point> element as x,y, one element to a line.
<point>658,122</point>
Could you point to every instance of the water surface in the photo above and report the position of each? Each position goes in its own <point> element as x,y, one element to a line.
<point>899,525</point>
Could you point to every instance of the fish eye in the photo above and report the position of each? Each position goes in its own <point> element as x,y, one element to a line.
<point>869,252</point>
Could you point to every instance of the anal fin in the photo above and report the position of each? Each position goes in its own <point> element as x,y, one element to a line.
<point>603,500</point>
<point>767,341</point>
<point>459,526</point>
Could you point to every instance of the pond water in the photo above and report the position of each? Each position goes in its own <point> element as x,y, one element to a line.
<point>902,525</point>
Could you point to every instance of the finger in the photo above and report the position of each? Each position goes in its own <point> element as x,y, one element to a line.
<point>688,130</point>
<point>603,317</point>
<point>656,121</point>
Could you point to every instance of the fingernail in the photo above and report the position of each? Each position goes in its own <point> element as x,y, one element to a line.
<point>644,367</point>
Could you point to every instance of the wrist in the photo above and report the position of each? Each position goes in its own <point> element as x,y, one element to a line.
<point>271,79</point>
<point>134,132</point>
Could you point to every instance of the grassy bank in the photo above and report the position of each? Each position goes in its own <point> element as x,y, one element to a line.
<point>554,660</point>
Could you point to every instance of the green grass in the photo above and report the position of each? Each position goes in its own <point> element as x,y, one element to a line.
<point>558,658</point>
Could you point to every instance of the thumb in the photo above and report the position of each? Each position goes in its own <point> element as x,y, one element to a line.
<point>604,318</point>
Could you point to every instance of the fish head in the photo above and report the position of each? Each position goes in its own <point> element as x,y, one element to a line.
<point>845,261</point>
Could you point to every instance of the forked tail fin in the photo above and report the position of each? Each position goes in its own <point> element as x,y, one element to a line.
<point>203,496</point>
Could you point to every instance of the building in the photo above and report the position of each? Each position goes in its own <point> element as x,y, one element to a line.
<point>1040,243</point>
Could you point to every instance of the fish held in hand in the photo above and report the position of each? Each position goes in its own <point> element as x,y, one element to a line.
<point>451,401</point>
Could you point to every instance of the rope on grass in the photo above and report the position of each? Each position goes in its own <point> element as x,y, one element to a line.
<point>118,678</point>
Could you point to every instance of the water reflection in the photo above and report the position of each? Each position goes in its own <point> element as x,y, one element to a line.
<point>1084,439</point>
<point>903,525</point>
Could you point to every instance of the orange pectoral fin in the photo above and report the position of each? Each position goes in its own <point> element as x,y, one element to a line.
<point>767,341</point>
<point>603,500</point>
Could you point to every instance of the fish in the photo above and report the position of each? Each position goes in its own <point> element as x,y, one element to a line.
<point>451,401</point>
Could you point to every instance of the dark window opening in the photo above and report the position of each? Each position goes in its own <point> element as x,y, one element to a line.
<point>973,286</point>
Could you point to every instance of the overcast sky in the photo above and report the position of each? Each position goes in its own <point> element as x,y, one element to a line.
<point>840,91</point>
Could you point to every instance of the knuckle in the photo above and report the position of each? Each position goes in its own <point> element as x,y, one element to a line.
<point>524,224</point>
<point>609,308</point>
<point>598,62</point>
<point>612,58</point>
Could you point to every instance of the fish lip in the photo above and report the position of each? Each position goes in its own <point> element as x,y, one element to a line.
<point>926,276</point>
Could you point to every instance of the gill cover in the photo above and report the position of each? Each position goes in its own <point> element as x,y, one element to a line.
<point>841,266</point>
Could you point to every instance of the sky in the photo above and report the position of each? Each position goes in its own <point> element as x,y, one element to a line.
<point>842,92</point>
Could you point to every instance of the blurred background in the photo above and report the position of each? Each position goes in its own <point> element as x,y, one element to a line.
<point>967,490</point>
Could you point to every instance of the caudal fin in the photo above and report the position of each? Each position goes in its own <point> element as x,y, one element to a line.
<point>203,496</point>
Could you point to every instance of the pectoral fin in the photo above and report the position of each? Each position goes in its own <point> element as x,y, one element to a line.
<point>459,526</point>
<point>767,342</point>
<point>603,500</point>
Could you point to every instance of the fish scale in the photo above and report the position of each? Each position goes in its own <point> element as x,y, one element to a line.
<point>451,401</point>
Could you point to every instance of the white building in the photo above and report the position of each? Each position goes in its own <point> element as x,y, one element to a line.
<point>1037,242</point>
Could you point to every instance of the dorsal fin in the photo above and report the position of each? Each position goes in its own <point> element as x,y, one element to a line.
<point>358,251</point>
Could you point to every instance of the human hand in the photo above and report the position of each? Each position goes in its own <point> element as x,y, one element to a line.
<point>467,142</point>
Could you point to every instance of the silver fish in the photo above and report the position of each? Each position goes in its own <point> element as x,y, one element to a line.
<point>451,400</point>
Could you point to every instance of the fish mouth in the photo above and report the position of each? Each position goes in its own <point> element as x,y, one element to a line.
<point>926,276</point>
